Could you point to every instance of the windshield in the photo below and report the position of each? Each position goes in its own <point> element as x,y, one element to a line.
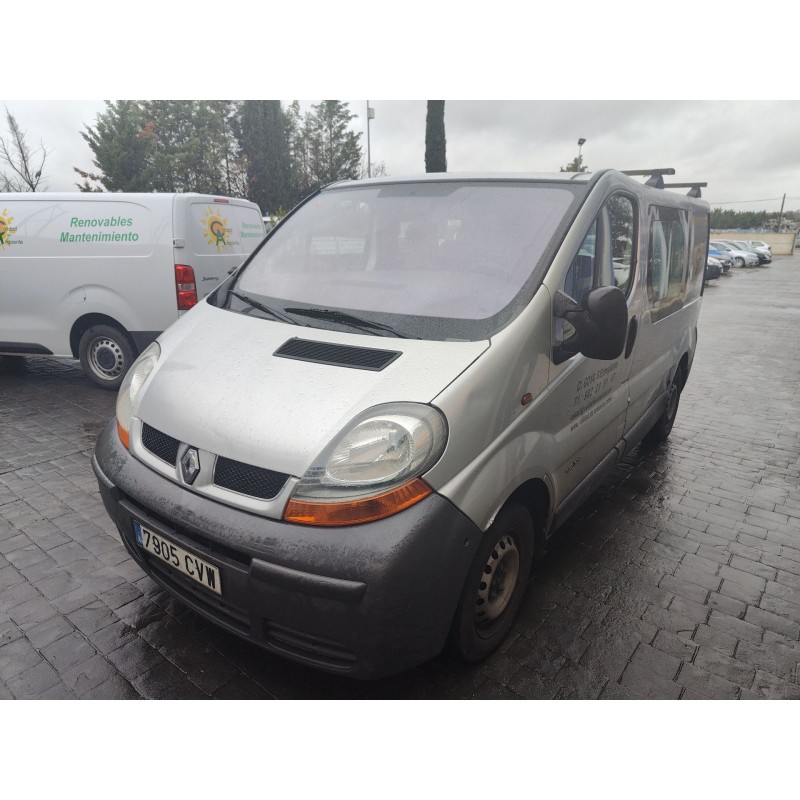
<point>434,260</point>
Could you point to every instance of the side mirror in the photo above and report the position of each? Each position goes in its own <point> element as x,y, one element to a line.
<point>601,328</point>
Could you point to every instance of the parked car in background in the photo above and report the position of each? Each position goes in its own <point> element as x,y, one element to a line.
<point>725,259</point>
<point>763,253</point>
<point>764,256</point>
<point>713,269</point>
<point>741,258</point>
<point>756,243</point>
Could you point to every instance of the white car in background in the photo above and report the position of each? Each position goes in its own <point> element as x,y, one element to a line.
<point>763,249</point>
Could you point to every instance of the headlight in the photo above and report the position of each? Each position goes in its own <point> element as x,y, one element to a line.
<point>130,388</point>
<point>371,469</point>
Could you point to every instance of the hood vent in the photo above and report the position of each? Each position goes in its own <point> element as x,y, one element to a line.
<point>337,355</point>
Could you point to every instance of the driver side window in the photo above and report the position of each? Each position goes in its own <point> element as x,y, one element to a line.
<point>606,256</point>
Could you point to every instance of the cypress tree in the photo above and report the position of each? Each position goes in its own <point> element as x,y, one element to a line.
<point>435,142</point>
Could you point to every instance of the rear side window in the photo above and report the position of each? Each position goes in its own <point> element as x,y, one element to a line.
<point>668,260</point>
<point>699,250</point>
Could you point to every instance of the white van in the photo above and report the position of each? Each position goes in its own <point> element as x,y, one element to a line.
<point>98,276</point>
<point>352,451</point>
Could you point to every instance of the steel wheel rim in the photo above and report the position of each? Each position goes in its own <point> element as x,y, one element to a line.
<point>499,579</point>
<point>106,358</point>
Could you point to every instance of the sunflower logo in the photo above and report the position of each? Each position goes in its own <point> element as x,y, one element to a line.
<point>5,228</point>
<point>215,228</point>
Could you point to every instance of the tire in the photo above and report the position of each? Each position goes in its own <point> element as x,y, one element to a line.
<point>738,261</point>
<point>661,430</point>
<point>495,585</point>
<point>106,354</point>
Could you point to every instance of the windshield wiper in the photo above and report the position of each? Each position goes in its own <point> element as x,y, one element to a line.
<point>261,307</point>
<point>345,319</point>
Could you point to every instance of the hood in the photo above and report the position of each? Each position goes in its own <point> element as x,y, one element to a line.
<point>219,386</point>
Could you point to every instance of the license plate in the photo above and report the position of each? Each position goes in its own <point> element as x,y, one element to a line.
<point>176,557</point>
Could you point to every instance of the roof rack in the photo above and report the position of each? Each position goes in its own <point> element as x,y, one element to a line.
<point>656,178</point>
<point>693,187</point>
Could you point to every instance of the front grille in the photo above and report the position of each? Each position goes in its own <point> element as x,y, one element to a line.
<point>159,444</point>
<point>228,474</point>
<point>337,355</point>
<point>247,479</point>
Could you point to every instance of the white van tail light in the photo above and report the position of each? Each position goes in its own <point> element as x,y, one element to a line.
<point>185,287</point>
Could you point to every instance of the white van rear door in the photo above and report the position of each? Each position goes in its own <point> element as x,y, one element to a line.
<point>218,235</point>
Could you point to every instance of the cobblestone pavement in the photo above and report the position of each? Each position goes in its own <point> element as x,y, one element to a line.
<point>678,579</point>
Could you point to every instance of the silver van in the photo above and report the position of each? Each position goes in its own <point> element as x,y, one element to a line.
<point>352,451</point>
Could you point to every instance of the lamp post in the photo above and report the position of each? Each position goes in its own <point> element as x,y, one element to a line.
<point>370,115</point>
<point>581,143</point>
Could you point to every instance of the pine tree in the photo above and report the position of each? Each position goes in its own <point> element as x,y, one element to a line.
<point>576,165</point>
<point>122,152</point>
<point>166,146</point>
<point>333,152</point>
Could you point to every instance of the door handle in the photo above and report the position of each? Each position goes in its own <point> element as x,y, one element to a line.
<point>633,329</point>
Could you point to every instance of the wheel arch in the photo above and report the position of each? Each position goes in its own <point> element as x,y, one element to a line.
<point>683,368</point>
<point>535,496</point>
<point>82,324</point>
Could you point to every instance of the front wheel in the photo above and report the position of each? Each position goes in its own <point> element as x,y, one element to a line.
<point>738,261</point>
<point>106,354</point>
<point>495,585</point>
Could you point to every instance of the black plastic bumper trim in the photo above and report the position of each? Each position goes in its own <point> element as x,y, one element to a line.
<point>318,585</point>
<point>367,601</point>
<point>24,349</point>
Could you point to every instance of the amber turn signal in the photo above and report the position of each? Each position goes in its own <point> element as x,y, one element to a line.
<point>123,436</point>
<point>355,512</point>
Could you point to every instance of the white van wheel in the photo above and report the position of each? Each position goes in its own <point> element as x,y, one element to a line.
<point>106,354</point>
<point>495,585</point>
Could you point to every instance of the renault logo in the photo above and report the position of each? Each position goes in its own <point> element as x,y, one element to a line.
<point>190,465</point>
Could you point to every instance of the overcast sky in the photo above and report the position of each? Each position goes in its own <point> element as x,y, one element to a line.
<point>747,150</point>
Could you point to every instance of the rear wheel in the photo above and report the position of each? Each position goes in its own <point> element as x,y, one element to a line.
<point>661,430</point>
<point>106,354</point>
<point>495,585</point>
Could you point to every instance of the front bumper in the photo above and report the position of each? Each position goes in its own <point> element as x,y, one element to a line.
<point>366,601</point>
